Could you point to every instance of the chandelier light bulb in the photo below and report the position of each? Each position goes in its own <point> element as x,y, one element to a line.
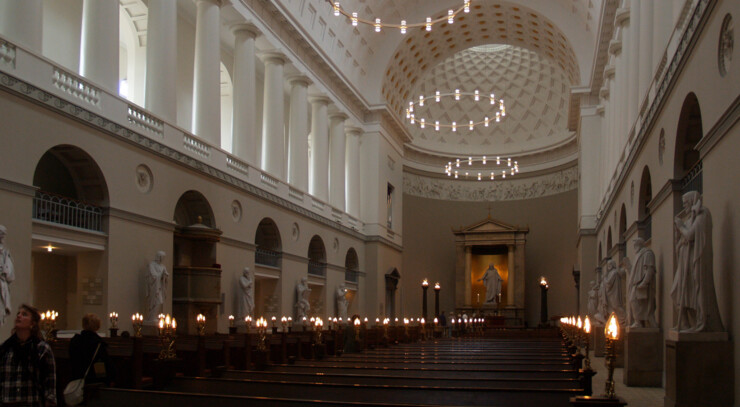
<point>466,7</point>
<point>455,174</point>
<point>478,176</point>
<point>354,19</point>
<point>454,126</point>
<point>450,16</point>
<point>336,9</point>
<point>436,125</point>
<point>493,99</point>
<point>512,172</point>
<point>470,160</point>
<point>421,100</point>
<point>491,176</point>
<point>471,125</point>
<point>412,118</point>
<point>509,162</point>
<point>422,123</point>
<point>484,160</point>
<point>498,117</point>
<point>466,174</point>
<point>411,106</point>
<point>503,174</point>
<point>498,160</point>
<point>436,96</point>
<point>457,94</point>
<point>403,26</point>
<point>486,121</point>
<point>477,95</point>
<point>457,163</point>
<point>377,25</point>
<point>429,24</point>
<point>408,114</point>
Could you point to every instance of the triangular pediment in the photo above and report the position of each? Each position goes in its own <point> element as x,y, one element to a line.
<point>490,225</point>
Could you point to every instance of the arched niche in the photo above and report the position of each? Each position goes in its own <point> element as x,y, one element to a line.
<point>316,257</point>
<point>351,266</point>
<point>391,286</point>
<point>644,219</point>
<point>479,245</point>
<point>269,245</point>
<point>687,161</point>
<point>196,280</point>
<point>609,244</point>
<point>622,224</point>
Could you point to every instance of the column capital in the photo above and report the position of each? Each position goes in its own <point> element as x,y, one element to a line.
<point>341,116</point>
<point>273,57</point>
<point>319,99</point>
<point>353,131</point>
<point>615,47</point>
<point>609,71</point>
<point>247,29</point>
<point>299,79</point>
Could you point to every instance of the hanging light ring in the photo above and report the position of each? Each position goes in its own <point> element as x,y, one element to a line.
<point>497,114</point>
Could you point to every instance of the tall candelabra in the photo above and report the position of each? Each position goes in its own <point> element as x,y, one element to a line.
<point>261,331</point>
<point>587,340</point>
<point>611,331</point>
<point>167,336</point>
<point>200,322</point>
<point>424,287</point>
<point>49,324</point>
<point>318,327</point>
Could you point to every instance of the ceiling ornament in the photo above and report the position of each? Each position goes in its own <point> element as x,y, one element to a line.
<point>422,121</point>
<point>481,168</point>
<point>378,25</point>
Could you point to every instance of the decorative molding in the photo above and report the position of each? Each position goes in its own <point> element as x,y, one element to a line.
<point>487,191</point>
<point>7,54</point>
<point>723,125</point>
<point>94,120</point>
<point>144,220</point>
<point>12,186</point>
<point>238,243</point>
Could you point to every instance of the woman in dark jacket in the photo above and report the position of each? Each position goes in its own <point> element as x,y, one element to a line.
<point>82,347</point>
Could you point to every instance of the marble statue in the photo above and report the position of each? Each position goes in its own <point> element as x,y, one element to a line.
<point>601,309</point>
<point>156,286</point>
<point>342,302</point>
<point>613,284</point>
<point>302,305</point>
<point>693,284</point>
<point>593,299</point>
<point>7,275</point>
<point>246,294</point>
<point>492,281</point>
<point>641,288</point>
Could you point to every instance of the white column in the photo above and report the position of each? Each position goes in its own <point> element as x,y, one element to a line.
<point>338,151</point>
<point>99,43</point>
<point>273,116</point>
<point>662,28</point>
<point>245,93</point>
<point>352,179</point>
<point>298,133</point>
<point>21,22</point>
<point>161,59</point>
<point>633,84</point>
<point>319,184</point>
<point>646,48</point>
<point>207,72</point>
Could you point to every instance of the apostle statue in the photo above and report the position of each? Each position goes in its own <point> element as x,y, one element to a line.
<point>641,288</point>
<point>246,294</point>
<point>342,302</point>
<point>601,308</point>
<point>492,280</point>
<point>593,298</point>
<point>693,284</point>
<point>302,305</point>
<point>7,275</point>
<point>156,280</point>
<point>613,285</point>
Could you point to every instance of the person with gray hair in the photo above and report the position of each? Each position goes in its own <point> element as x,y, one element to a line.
<point>641,288</point>
<point>7,275</point>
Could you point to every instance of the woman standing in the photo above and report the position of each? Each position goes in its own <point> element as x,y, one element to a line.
<point>27,369</point>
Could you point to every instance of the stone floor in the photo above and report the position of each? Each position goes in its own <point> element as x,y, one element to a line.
<point>634,396</point>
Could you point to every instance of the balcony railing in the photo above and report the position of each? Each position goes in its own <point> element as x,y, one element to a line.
<point>267,257</point>
<point>67,211</point>
<point>692,181</point>
<point>316,269</point>
<point>352,276</point>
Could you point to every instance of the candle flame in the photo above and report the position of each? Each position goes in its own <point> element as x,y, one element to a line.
<point>587,325</point>
<point>612,327</point>
<point>579,323</point>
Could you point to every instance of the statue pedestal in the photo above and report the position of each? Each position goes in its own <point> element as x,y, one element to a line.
<point>699,369</point>
<point>643,365</point>
<point>597,331</point>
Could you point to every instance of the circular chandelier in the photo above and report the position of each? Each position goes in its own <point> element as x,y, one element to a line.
<point>422,121</point>
<point>454,169</point>
<point>378,24</point>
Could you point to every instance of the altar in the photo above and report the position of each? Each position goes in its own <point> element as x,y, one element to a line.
<point>477,247</point>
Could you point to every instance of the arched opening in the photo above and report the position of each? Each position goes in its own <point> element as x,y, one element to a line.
<point>71,189</point>
<point>643,210</point>
<point>609,242</point>
<point>622,224</point>
<point>316,257</point>
<point>391,286</point>
<point>196,276</point>
<point>132,54</point>
<point>68,211</point>
<point>601,253</point>
<point>269,247</point>
<point>351,266</point>
<point>687,165</point>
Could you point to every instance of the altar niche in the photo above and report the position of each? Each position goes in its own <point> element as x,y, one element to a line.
<point>477,247</point>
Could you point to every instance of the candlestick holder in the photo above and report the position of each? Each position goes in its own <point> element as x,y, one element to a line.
<point>586,339</point>
<point>113,324</point>
<point>167,337</point>
<point>357,329</point>
<point>261,331</point>
<point>284,323</point>
<point>247,323</point>
<point>611,331</point>
<point>319,324</point>
<point>137,320</point>
<point>200,322</point>
<point>49,325</point>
